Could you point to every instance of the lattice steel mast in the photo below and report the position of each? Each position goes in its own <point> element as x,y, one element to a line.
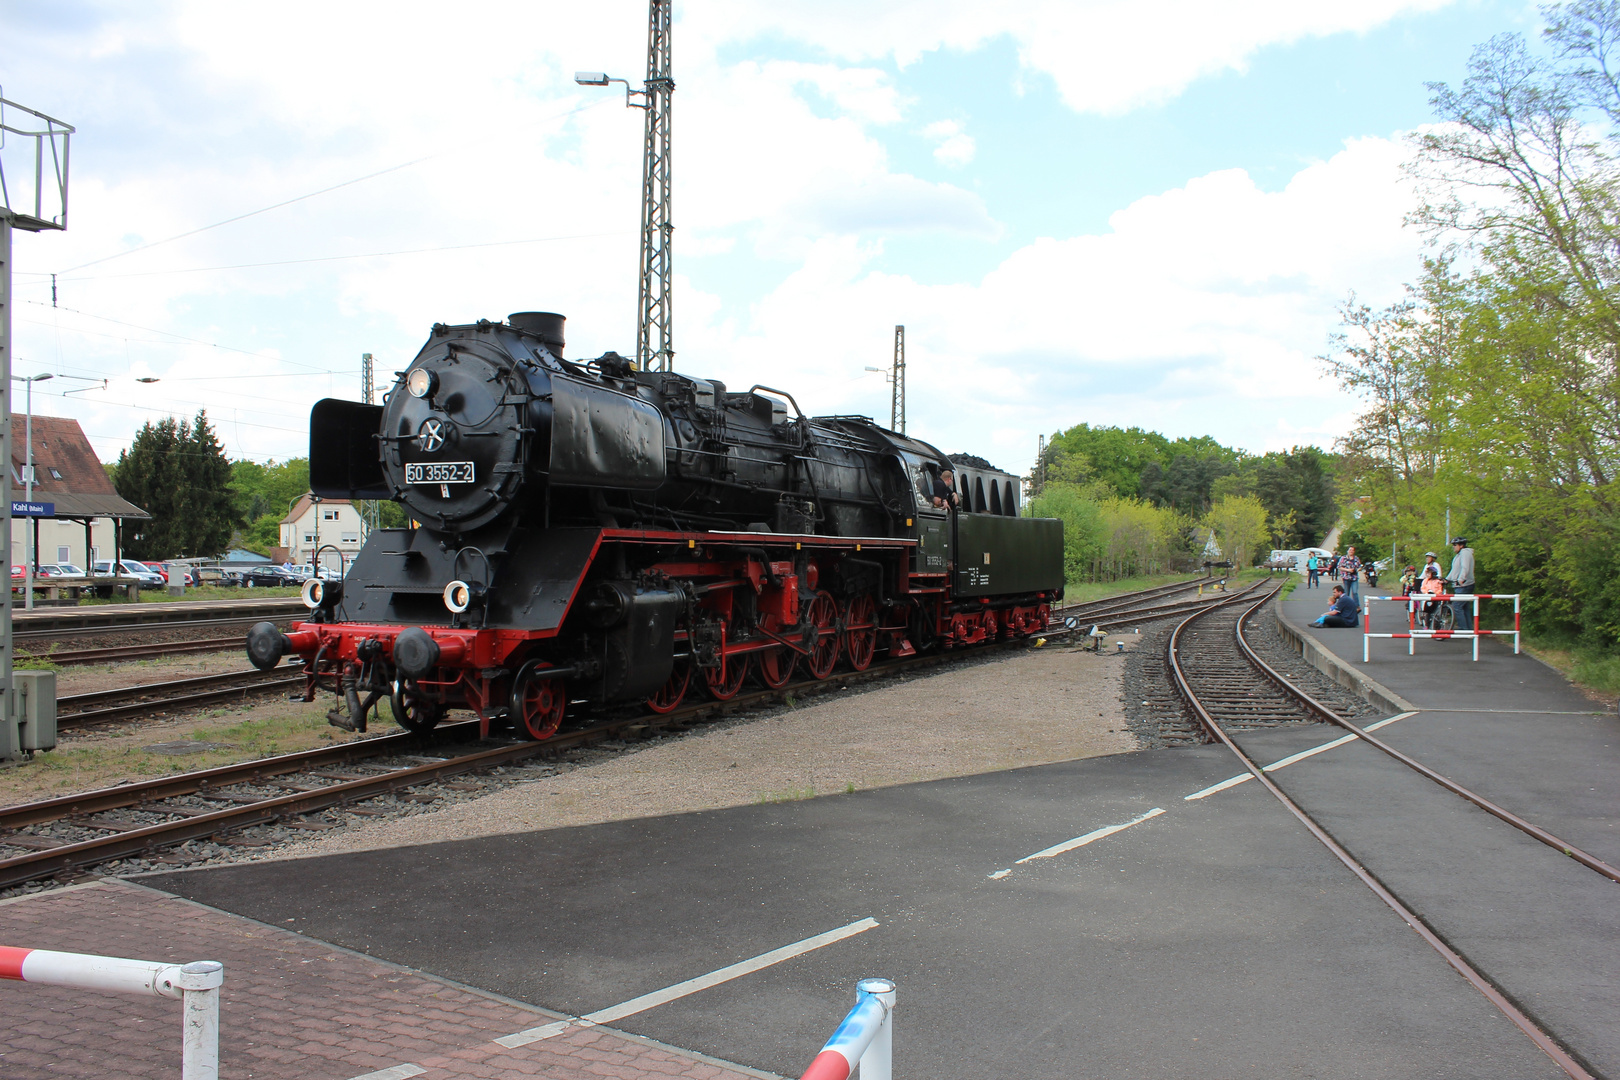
<point>897,383</point>
<point>655,343</point>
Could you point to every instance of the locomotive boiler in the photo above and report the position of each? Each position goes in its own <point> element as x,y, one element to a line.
<point>584,535</point>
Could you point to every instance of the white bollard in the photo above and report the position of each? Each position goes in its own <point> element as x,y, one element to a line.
<point>878,1061</point>
<point>200,983</point>
<point>195,984</point>
<point>866,1037</point>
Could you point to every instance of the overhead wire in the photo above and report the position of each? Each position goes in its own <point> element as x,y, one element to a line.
<point>342,258</point>
<point>446,152</point>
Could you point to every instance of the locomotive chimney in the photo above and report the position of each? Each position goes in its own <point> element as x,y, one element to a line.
<point>545,325</point>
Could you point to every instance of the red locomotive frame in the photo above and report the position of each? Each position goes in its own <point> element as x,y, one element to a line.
<point>800,610</point>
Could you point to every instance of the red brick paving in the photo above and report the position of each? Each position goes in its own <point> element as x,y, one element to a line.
<point>291,1007</point>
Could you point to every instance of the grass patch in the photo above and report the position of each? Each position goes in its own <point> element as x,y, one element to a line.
<point>1593,669</point>
<point>202,592</point>
<point>230,735</point>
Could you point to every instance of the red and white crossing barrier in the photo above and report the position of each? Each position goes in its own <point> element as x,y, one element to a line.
<point>196,985</point>
<point>865,1038</point>
<point>1415,631</point>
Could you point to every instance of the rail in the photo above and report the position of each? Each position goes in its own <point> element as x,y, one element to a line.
<point>196,985</point>
<point>1414,631</point>
<point>865,1038</point>
<point>1456,961</point>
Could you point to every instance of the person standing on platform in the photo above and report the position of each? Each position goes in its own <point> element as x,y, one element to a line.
<point>1312,569</point>
<point>1461,578</point>
<point>1350,574</point>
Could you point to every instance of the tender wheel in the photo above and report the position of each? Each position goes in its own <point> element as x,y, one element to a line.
<point>413,711</point>
<point>670,694</point>
<point>824,618</point>
<point>776,667</point>
<point>736,671</point>
<point>538,705</point>
<point>860,637</point>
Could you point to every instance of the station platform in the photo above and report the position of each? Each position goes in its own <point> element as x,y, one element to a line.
<point>1136,915</point>
<point>1525,736</point>
<point>292,1007</point>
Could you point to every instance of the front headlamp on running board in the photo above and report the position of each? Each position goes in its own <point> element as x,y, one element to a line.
<point>322,594</point>
<point>458,597</point>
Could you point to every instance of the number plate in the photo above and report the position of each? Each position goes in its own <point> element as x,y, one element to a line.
<point>438,472</point>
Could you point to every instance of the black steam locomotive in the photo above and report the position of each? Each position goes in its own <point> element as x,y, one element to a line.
<point>591,534</point>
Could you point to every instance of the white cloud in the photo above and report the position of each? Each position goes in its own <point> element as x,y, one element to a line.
<point>1200,311</point>
<point>1105,56</point>
<point>190,113</point>
<point>956,147</point>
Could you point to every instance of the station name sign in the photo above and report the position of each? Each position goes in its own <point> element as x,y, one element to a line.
<point>32,509</point>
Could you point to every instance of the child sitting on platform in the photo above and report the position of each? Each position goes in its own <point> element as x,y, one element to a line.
<point>1343,613</point>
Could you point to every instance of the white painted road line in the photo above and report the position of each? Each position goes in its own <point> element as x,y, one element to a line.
<point>1079,841</point>
<point>690,986</point>
<point>1234,781</point>
<point>398,1072</point>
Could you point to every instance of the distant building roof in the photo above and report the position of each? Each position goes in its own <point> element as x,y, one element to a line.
<point>238,557</point>
<point>66,470</point>
<point>301,507</point>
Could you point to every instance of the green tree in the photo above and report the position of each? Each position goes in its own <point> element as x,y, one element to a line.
<point>1239,522</point>
<point>177,472</point>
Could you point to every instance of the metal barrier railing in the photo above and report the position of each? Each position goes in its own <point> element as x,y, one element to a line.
<point>1414,631</point>
<point>865,1038</point>
<point>196,985</point>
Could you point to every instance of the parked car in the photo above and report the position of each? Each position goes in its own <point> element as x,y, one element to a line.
<point>67,569</point>
<point>269,577</point>
<point>305,571</point>
<point>148,578</point>
<point>216,575</point>
<point>47,570</point>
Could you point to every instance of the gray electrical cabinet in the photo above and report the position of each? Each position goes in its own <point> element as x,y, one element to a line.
<point>35,709</point>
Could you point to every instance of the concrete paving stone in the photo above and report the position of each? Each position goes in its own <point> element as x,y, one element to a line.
<point>292,1007</point>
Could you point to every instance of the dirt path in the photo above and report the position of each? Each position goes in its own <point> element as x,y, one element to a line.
<point>1032,708</point>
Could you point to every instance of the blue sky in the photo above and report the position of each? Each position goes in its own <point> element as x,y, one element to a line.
<point>1098,212</point>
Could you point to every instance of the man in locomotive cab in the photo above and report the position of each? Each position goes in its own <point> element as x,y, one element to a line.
<point>945,489</point>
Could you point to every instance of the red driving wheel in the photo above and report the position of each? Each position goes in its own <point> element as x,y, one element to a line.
<point>538,705</point>
<point>725,687</point>
<point>824,622</point>
<point>776,666</point>
<point>860,634</point>
<point>670,695</point>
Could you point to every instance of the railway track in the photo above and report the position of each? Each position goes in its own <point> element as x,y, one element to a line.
<point>102,707</point>
<point>1228,688</point>
<point>118,653</point>
<point>147,817</point>
<point>82,711</point>
<point>33,630</point>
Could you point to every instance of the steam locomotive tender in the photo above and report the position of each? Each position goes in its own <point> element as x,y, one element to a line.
<point>585,535</point>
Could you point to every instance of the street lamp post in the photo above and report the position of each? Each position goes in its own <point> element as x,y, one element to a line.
<point>30,552</point>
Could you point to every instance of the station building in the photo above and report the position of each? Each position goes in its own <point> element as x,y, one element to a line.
<point>88,519</point>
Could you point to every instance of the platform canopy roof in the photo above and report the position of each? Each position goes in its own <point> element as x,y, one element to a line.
<point>66,471</point>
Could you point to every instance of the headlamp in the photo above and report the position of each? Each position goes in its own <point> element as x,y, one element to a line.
<point>421,382</point>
